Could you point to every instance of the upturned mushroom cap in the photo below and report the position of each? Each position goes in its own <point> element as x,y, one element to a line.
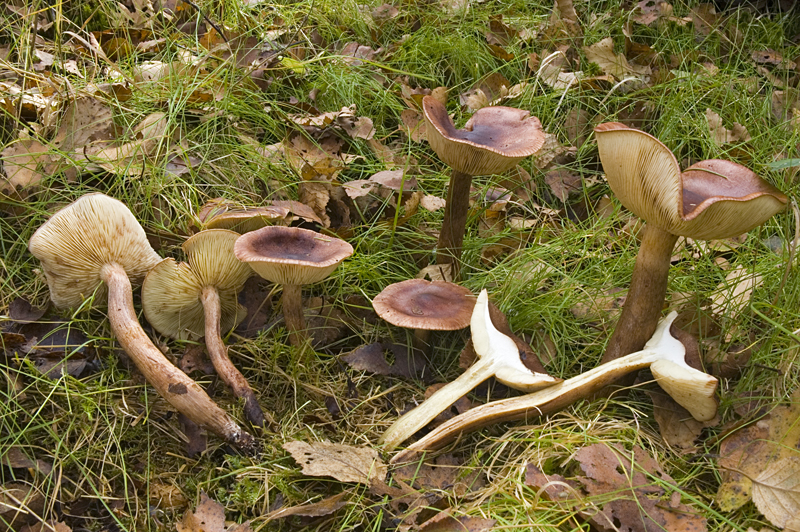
<point>77,241</point>
<point>291,255</point>
<point>711,199</point>
<point>244,221</point>
<point>171,291</point>
<point>427,305</point>
<point>492,141</point>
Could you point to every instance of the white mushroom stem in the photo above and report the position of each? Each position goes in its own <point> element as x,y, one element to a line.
<point>692,389</point>
<point>171,383</point>
<point>498,357</point>
<point>218,352</point>
<point>293,314</point>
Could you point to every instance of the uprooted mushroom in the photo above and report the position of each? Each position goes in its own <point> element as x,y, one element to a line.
<point>663,353</point>
<point>96,244</point>
<point>498,357</point>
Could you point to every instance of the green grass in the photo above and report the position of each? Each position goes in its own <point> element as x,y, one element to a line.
<point>111,440</point>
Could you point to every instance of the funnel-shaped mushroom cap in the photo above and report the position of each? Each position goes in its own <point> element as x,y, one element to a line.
<point>77,241</point>
<point>492,141</point>
<point>290,255</point>
<point>427,305</point>
<point>711,199</point>
<point>171,291</point>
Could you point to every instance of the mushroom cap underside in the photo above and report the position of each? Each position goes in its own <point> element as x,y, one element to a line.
<point>428,305</point>
<point>291,255</point>
<point>77,241</point>
<point>171,291</point>
<point>172,305</point>
<point>711,199</point>
<point>494,140</point>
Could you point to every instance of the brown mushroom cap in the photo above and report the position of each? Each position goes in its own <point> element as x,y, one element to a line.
<point>492,141</point>
<point>711,199</point>
<point>291,255</point>
<point>244,221</point>
<point>427,305</point>
<point>171,291</point>
<point>77,241</point>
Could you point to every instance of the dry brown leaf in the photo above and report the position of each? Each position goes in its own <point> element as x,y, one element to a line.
<point>345,463</point>
<point>326,506</point>
<point>445,472</point>
<point>23,163</point>
<point>732,296</point>
<point>165,496</point>
<point>637,504</point>
<point>436,272</point>
<point>316,195</point>
<point>705,19</point>
<point>650,11</point>
<point>49,526</point>
<point>446,522</point>
<point>614,64</point>
<point>678,428</point>
<point>761,461</point>
<point>209,516</point>
<point>564,23</point>
<point>563,183</point>
<point>720,135</point>
<point>413,125</point>
<point>371,357</point>
<point>432,203</point>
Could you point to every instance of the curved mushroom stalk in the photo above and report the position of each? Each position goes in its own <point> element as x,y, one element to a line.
<point>709,200</point>
<point>199,298</point>
<point>97,240</point>
<point>691,388</point>
<point>498,357</point>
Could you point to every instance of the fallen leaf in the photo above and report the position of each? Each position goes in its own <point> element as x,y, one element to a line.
<point>678,428</point>
<point>446,522</point>
<point>637,500</point>
<point>720,135</point>
<point>613,64</point>
<point>345,463</point>
<point>209,516</point>
<point>564,23</point>
<point>436,272</point>
<point>372,358</point>
<point>15,458</point>
<point>563,183</point>
<point>732,296</point>
<point>432,203</point>
<point>326,506</point>
<point>649,11</point>
<point>761,461</point>
<point>444,473</point>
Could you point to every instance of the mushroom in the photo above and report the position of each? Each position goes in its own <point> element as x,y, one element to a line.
<point>711,199</point>
<point>292,257</point>
<point>198,299</point>
<point>493,140</point>
<point>691,388</point>
<point>425,306</point>
<point>97,240</point>
<point>498,357</point>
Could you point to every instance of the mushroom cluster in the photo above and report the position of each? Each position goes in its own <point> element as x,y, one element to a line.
<point>95,247</point>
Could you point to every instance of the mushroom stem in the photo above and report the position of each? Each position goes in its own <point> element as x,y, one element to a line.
<point>171,383</point>
<point>218,352</point>
<point>646,294</point>
<point>454,225</point>
<point>293,314</point>
<point>697,393</point>
<point>411,422</point>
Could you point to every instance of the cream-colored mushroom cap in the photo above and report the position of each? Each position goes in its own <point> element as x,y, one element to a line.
<point>291,255</point>
<point>171,291</point>
<point>244,221</point>
<point>691,388</point>
<point>77,241</point>
<point>494,140</point>
<point>711,199</point>
<point>426,305</point>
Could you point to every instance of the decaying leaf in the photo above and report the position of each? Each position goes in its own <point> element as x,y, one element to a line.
<point>445,472</point>
<point>209,516</point>
<point>345,463</point>
<point>678,428</point>
<point>326,506</point>
<point>761,461</point>
<point>371,357</point>
<point>446,522</point>
<point>732,296</point>
<point>720,135</point>
<point>614,64</point>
